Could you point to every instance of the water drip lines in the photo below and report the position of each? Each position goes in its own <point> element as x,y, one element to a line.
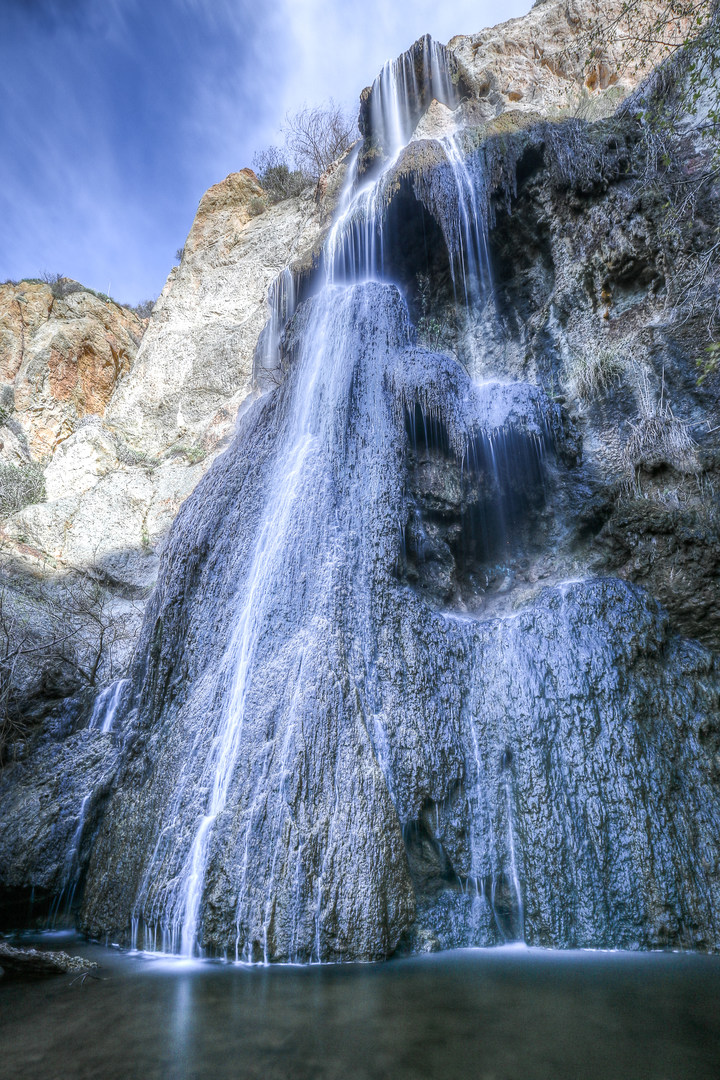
<point>71,873</point>
<point>106,706</point>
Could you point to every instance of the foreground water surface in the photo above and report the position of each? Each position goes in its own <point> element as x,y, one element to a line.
<point>501,1014</point>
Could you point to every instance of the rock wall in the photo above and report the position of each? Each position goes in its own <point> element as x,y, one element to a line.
<point>61,358</point>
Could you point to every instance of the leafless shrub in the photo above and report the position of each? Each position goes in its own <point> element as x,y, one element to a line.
<point>143,309</point>
<point>314,138</point>
<point>657,436</point>
<point>68,632</point>
<point>639,35</point>
<point>60,286</point>
<point>20,485</point>
<point>318,136</point>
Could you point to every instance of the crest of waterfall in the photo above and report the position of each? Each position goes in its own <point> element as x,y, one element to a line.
<point>335,748</point>
<point>403,91</point>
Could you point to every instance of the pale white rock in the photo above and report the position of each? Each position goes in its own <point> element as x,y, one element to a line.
<point>195,363</point>
<point>540,63</point>
<point>183,391</point>
<point>437,122</point>
<point>114,526</point>
<point>13,448</point>
<point>79,462</point>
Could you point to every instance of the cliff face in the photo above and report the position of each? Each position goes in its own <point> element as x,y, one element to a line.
<point>462,698</point>
<point>60,361</point>
<point>137,417</point>
<point>542,62</point>
<point>125,427</point>
<point>195,365</point>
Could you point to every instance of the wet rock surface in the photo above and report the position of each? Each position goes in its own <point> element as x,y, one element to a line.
<point>548,774</point>
<point>36,962</point>
<point>51,796</point>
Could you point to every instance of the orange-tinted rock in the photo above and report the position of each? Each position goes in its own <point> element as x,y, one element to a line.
<point>60,359</point>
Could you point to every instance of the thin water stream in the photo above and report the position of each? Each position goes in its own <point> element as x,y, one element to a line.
<point>498,1014</point>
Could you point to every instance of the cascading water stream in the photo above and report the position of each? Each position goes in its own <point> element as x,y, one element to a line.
<point>467,240</point>
<point>324,379</point>
<point>107,704</point>
<point>364,717</point>
<point>354,253</point>
<point>282,301</point>
<point>403,91</point>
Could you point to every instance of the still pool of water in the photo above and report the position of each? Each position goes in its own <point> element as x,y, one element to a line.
<point>502,1014</point>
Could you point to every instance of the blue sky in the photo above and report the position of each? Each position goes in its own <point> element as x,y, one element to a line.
<point>116,115</point>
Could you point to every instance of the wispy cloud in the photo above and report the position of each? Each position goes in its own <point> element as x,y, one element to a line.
<point>116,116</point>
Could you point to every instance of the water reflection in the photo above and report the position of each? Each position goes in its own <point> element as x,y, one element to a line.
<point>503,1014</point>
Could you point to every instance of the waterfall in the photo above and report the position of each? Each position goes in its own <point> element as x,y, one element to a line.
<point>317,423</point>
<point>345,739</point>
<point>107,704</point>
<point>404,89</point>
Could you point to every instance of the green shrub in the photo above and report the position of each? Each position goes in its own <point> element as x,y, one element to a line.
<point>276,177</point>
<point>710,363</point>
<point>256,206</point>
<point>195,454</point>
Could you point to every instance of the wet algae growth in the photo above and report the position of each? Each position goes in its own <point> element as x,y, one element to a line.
<point>498,1014</point>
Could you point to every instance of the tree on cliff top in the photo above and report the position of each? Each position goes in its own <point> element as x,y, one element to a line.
<point>314,138</point>
<point>643,33</point>
<point>318,136</point>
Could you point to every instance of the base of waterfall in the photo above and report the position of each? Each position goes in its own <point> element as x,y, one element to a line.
<point>502,1013</point>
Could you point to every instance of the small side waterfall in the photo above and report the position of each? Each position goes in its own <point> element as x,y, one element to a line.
<point>282,301</point>
<point>343,741</point>
<point>107,704</point>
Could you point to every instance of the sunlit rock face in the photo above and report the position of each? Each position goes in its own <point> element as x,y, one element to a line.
<point>61,358</point>
<point>126,418</point>
<point>195,365</point>
<point>549,62</point>
<point>48,800</point>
